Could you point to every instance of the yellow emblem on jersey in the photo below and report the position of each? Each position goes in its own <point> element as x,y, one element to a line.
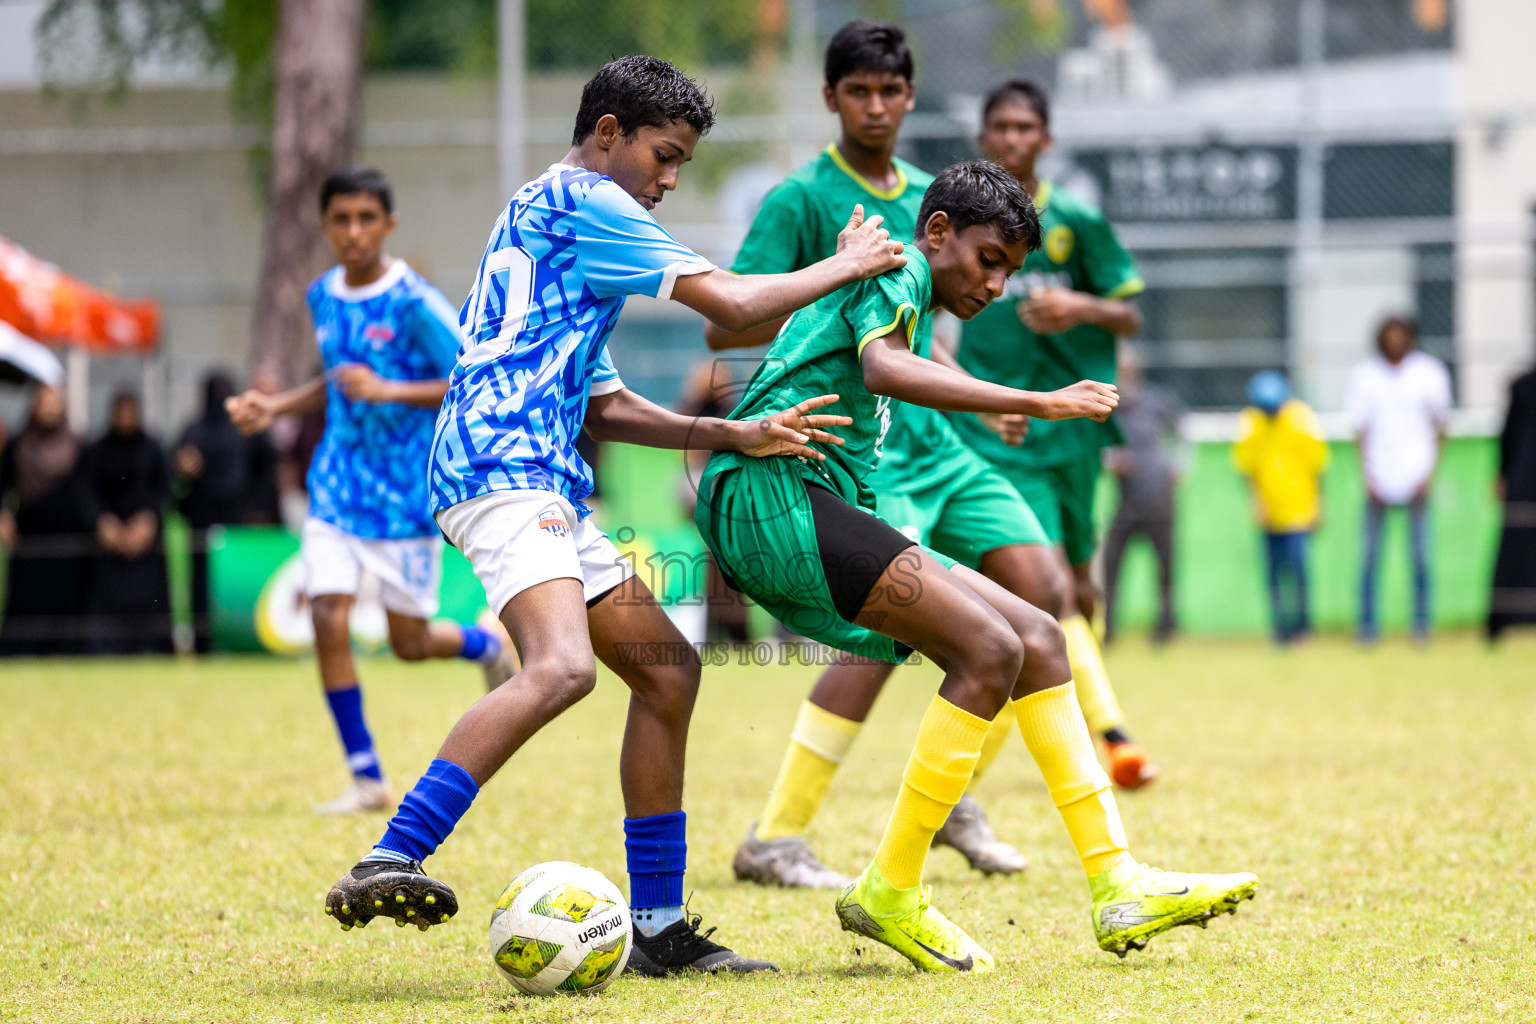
<point>1058,243</point>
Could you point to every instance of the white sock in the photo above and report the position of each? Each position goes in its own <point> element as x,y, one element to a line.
<point>379,855</point>
<point>651,921</point>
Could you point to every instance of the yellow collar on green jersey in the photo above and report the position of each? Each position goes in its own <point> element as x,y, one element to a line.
<point>1042,195</point>
<point>879,193</point>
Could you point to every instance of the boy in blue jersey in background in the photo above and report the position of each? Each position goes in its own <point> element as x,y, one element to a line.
<point>507,488</point>
<point>387,342</point>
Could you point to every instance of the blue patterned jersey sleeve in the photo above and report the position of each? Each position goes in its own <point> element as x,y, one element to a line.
<point>605,378</point>
<point>621,250</point>
<point>435,324</point>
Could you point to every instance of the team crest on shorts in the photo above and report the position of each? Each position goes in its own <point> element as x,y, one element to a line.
<point>552,521</point>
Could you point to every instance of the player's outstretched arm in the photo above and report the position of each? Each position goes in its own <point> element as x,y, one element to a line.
<point>719,339</point>
<point>890,368</point>
<point>738,303</point>
<point>360,384</point>
<point>626,416</point>
<point>254,411</point>
<point>1012,427</point>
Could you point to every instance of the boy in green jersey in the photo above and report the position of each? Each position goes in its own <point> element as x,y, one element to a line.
<point>802,539</point>
<point>1059,321</point>
<point>929,484</point>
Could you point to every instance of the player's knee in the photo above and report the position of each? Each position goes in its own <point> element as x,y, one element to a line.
<point>995,654</point>
<point>329,614</point>
<point>1053,592</point>
<point>566,680</point>
<point>671,686</point>
<point>410,646</point>
<point>1045,650</point>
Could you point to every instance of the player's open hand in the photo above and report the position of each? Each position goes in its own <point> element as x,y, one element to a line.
<point>868,246</point>
<point>360,384</point>
<point>1010,426</point>
<point>1088,398</point>
<point>792,431</point>
<point>251,413</point>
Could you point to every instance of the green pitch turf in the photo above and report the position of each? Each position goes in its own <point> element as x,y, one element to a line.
<point>162,863</point>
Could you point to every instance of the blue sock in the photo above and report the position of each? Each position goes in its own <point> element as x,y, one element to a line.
<point>347,709</point>
<point>479,645</point>
<point>657,852</point>
<point>429,811</point>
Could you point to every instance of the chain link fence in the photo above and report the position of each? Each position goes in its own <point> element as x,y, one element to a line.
<point>1286,174</point>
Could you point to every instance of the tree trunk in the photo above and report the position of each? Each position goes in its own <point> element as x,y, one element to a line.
<point>318,68</point>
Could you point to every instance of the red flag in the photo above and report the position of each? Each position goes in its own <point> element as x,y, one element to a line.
<point>40,300</point>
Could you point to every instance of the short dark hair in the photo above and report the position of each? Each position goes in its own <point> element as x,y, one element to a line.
<point>355,180</point>
<point>1026,89</point>
<point>981,192</point>
<point>865,45</point>
<point>642,92</point>
<point>1396,323</point>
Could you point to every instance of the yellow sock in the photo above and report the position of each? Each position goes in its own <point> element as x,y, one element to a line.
<point>1097,697</point>
<point>1002,727</point>
<point>816,747</point>
<point>948,744</point>
<point>1053,730</point>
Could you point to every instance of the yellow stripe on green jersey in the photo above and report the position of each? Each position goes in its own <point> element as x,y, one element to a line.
<point>797,225</point>
<point>817,353</point>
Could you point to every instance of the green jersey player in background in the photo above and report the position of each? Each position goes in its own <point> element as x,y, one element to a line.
<point>928,483</point>
<point>1059,322</point>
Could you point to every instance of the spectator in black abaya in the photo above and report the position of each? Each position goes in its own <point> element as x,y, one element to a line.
<point>47,516</point>
<point>129,605</point>
<point>213,485</point>
<point>1513,600</point>
<point>262,499</point>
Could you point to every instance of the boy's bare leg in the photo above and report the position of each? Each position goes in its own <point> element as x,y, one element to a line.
<point>414,638</point>
<point>634,638</point>
<point>368,791</point>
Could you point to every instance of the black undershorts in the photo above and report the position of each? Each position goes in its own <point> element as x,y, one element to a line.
<point>855,548</point>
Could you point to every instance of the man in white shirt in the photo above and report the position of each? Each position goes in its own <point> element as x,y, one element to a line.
<point>1398,403</point>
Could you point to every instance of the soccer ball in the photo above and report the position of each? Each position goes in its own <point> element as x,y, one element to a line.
<point>560,927</point>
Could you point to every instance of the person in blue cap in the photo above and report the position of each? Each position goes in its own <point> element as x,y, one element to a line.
<point>1280,449</point>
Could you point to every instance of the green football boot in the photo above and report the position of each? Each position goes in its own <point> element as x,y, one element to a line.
<point>1133,902</point>
<point>904,920</point>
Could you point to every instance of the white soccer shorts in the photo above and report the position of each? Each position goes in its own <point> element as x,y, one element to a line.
<point>519,539</point>
<point>409,571</point>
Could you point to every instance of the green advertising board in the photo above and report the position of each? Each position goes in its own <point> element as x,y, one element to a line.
<point>257,600</point>
<point>257,580</point>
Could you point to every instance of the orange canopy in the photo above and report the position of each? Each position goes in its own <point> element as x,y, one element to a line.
<point>41,301</point>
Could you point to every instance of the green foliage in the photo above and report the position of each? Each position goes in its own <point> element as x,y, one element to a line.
<point>96,44</point>
<point>1030,25</point>
<point>445,35</point>
<point>102,43</point>
<point>581,34</point>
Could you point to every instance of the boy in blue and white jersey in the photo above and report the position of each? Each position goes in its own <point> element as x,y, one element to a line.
<point>507,488</point>
<point>388,341</point>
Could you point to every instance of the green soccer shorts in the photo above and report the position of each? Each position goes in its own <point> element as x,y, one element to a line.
<point>974,511</point>
<point>760,521</point>
<point>1062,499</point>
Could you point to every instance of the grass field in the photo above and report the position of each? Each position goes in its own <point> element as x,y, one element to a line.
<point>163,863</point>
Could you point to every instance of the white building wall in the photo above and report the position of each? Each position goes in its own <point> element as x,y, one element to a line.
<point>1495,197</point>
